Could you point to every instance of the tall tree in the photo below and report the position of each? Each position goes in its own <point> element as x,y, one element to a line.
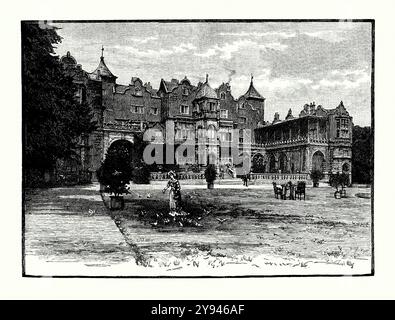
<point>52,117</point>
<point>362,155</point>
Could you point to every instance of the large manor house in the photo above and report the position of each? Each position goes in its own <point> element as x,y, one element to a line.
<point>316,138</point>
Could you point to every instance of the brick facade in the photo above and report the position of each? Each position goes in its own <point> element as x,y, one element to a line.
<point>318,138</point>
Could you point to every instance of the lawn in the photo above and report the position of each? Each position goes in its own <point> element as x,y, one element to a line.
<point>248,231</point>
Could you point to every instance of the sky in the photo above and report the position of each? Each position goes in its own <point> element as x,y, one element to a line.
<point>292,63</point>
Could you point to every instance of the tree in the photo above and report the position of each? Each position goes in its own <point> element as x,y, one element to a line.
<point>362,155</point>
<point>117,169</point>
<point>53,119</point>
<point>316,175</point>
<point>210,173</point>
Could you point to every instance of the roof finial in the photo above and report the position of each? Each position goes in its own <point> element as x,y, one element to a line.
<point>207,77</point>
<point>252,77</point>
<point>102,50</point>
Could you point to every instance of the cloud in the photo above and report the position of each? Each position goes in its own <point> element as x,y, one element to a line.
<point>346,79</point>
<point>184,47</point>
<point>155,54</point>
<point>259,34</point>
<point>328,35</point>
<point>143,40</point>
<point>208,53</point>
<point>228,49</point>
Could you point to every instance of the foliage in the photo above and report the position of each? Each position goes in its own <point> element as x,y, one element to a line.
<point>141,175</point>
<point>210,173</point>
<point>362,155</point>
<point>339,180</point>
<point>116,170</point>
<point>124,163</point>
<point>316,175</point>
<point>53,119</point>
<point>194,168</point>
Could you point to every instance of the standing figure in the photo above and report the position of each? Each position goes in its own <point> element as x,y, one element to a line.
<point>174,194</point>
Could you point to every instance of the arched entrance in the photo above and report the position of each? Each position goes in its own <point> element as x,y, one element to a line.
<point>283,163</point>
<point>272,163</point>
<point>258,163</point>
<point>318,161</point>
<point>118,160</point>
<point>123,148</point>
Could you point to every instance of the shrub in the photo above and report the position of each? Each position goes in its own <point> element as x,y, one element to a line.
<point>316,175</point>
<point>339,180</point>
<point>141,175</point>
<point>210,173</point>
<point>194,168</point>
<point>116,171</point>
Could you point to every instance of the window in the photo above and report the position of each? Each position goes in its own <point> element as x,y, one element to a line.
<point>137,109</point>
<point>211,132</point>
<point>243,120</point>
<point>342,126</point>
<point>137,92</point>
<point>184,132</point>
<point>154,111</point>
<point>224,114</point>
<point>185,91</point>
<point>212,106</point>
<point>226,136</point>
<point>241,136</point>
<point>184,109</point>
<point>223,95</point>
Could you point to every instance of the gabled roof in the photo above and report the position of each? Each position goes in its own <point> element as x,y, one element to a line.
<point>205,91</point>
<point>169,85</point>
<point>252,93</point>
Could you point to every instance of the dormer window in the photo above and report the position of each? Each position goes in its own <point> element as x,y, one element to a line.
<point>154,111</point>
<point>224,114</point>
<point>137,109</point>
<point>137,92</point>
<point>185,91</point>
<point>184,109</point>
<point>243,120</point>
<point>223,95</point>
<point>212,106</point>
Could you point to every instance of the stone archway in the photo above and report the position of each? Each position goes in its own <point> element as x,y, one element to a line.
<point>318,161</point>
<point>111,137</point>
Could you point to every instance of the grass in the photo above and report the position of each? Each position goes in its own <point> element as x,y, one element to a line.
<point>249,226</point>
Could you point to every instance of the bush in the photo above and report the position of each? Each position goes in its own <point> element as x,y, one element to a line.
<point>339,180</point>
<point>316,175</point>
<point>141,175</point>
<point>116,171</point>
<point>194,168</point>
<point>210,173</point>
